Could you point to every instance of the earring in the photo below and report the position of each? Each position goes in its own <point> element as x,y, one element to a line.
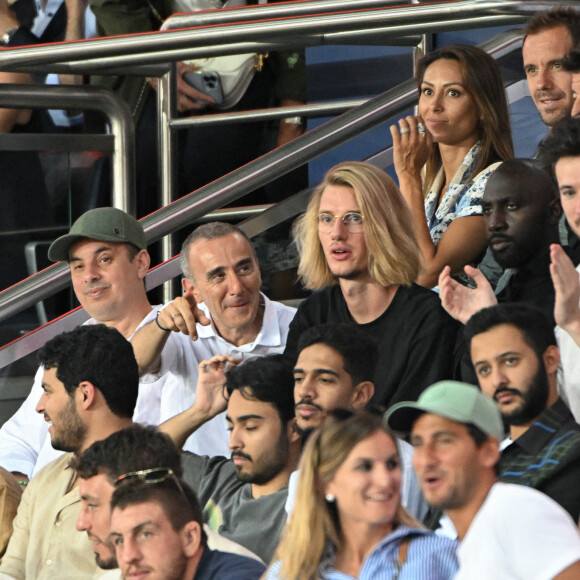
<point>330,498</point>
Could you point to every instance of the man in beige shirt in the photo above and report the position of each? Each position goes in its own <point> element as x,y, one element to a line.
<point>90,387</point>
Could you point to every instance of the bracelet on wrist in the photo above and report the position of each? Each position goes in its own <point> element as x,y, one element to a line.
<point>159,325</point>
<point>22,483</point>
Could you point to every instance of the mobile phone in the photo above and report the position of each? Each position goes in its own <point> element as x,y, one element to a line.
<point>208,83</point>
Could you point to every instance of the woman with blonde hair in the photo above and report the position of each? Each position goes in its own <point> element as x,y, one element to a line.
<point>348,521</point>
<point>461,135</point>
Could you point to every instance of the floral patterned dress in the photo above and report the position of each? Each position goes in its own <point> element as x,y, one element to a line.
<point>462,198</point>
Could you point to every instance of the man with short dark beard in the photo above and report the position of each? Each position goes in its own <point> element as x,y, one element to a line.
<point>515,355</point>
<point>90,386</point>
<point>244,497</point>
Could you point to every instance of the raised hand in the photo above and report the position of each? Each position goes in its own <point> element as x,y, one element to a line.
<point>209,396</point>
<point>567,286</point>
<point>182,314</point>
<point>412,144</point>
<point>460,301</point>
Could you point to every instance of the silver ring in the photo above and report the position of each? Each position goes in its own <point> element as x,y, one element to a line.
<point>421,128</point>
<point>177,315</point>
<point>405,131</point>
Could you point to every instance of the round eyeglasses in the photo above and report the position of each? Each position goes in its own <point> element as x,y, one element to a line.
<point>352,221</point>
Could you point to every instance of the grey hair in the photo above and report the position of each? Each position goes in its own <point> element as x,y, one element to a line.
<point>209,231</point>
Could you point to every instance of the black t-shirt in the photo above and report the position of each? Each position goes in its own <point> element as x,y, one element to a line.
<point>416,339</point>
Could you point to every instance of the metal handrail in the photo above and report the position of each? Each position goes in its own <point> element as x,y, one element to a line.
<point>265,11</point>
<point>175,45</point>
<point>94,99</point>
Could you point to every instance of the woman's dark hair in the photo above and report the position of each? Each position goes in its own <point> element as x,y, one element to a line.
<point>483,81</point>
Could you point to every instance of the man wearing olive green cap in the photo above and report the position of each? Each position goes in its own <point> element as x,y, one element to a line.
<point>104,224</point>
<point>506,530</point>
<point>106,250</point>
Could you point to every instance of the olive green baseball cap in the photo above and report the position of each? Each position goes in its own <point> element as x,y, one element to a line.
<point>453,400</point>
<point>104,224</point>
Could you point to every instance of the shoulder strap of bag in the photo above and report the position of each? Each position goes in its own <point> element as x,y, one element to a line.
<point>402,556</point>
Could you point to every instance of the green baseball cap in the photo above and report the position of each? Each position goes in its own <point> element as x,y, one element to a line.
<point>453,400</point>
<point>104,224</point>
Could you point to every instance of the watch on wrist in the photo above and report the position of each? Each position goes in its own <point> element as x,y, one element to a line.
<point>7,36</point>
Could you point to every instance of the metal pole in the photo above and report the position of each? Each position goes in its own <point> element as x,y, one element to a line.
<point>167,110</point>
<point>95,99</point>
<point>300,30</point>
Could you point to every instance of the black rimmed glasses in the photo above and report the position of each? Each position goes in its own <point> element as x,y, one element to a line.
<point>353,221</point>
<point>154,475</point>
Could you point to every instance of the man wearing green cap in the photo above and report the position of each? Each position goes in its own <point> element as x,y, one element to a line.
<point>506,530</point>
<point>106,249</point>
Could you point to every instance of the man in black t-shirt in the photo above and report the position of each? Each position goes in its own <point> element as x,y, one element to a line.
<point>358,249</point>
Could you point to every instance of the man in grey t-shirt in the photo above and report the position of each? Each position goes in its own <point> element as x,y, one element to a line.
<point>244,497</point>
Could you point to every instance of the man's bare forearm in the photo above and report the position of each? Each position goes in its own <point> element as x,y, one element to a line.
<point>180,427</point>
<point>148,344</point>
<point>209,399</point>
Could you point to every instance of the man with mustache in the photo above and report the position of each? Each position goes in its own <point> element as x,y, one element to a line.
<point>335,368</point>
<point>521,212</point>
<point>89,390</point>
<point>515,355</point>
<point>244,496</point>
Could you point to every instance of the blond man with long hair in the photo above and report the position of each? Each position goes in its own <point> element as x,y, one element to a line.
<point>358,250</point>
<point>348,518</point>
